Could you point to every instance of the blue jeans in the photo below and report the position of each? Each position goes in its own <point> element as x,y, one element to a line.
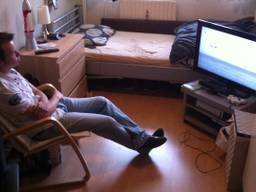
<point>100,116</point>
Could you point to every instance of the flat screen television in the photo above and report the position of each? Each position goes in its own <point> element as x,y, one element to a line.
<point>226,54</point>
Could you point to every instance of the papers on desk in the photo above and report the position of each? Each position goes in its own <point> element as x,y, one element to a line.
<point>46,45</point>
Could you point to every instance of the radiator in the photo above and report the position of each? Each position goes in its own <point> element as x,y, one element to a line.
<point>148,9</point>
<point>67,22</point>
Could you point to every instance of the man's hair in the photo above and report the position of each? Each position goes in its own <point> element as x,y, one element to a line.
<point>4,38</point>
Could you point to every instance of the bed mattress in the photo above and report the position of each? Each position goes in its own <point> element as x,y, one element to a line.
<point>134,48</point>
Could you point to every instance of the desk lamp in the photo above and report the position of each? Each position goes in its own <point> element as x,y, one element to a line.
<point>44,19</point>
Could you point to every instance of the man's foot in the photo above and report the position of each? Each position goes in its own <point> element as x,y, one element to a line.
<point>150,144</point>
<point>158,133</point>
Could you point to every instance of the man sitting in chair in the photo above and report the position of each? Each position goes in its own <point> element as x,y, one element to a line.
<point>21,103</point>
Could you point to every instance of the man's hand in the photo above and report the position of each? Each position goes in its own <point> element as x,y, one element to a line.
<point>58,94</point>
<point>45,106</point>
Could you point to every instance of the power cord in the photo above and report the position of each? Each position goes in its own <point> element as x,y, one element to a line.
<point>186,137</point>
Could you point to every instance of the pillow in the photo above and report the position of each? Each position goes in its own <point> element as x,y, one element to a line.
<point>96,35</point>
<point>183,48</point>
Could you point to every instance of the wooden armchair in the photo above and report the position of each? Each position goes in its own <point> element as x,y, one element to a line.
<point>26,145</point>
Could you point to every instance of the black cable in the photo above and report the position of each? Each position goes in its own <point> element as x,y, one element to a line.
<point>187,137</point>
<point>210,156</point>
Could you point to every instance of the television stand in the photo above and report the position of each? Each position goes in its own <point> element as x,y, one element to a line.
<point>217,87</point>
<point>209,112</point>
<point>241,94</point>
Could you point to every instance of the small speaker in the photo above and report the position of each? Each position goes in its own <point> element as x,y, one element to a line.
<point>54,36</point>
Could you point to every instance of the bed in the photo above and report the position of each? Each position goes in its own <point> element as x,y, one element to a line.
<point>143,49</point>
<point>139,49</point>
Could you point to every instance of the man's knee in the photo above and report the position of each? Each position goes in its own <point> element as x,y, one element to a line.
<point>105,123</point>
<point>109,121</point>
<point>102,100</point>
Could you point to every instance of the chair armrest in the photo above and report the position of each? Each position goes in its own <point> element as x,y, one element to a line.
<point>33,125</point>
<point>47,88</point>
<point>42,122</point>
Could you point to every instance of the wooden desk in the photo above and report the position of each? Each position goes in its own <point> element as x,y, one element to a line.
<point>65,69</point>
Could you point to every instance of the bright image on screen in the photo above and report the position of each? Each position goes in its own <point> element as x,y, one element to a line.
<point>228,56</point>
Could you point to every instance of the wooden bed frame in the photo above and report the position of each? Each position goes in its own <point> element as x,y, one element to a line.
<point>172,73</point>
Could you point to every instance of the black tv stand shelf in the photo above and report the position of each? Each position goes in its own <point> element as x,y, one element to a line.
<point>209,112</point>
<point>220,88</point>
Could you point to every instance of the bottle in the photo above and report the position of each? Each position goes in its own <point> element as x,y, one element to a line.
<point>30,43</point>
<point>28,17</point>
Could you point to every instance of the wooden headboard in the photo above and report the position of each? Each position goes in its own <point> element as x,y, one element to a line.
<point>142,25</point>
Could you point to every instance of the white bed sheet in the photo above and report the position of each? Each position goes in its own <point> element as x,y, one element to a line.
<point>134,48</point>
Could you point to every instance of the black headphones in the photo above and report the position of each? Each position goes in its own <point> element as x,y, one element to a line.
<point>4,37</point>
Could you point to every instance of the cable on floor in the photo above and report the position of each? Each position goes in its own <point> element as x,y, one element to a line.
<point>188,136</point>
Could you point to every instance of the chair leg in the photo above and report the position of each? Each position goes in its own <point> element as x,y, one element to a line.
<point>58,179</point>
<point>55,154</point>
<point>81,159</point>
<point>72,142</point>
<point>12,178</point>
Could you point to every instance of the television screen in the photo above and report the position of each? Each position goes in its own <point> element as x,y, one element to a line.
<point>227,54</point>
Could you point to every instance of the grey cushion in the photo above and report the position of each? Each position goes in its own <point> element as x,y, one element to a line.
<point>96,35</point>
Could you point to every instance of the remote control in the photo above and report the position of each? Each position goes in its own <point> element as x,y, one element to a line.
<point>49,50</point>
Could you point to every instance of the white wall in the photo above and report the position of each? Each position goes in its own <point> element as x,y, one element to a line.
<point>215,9</point>
<point>186,9</point>
<point>11,19</point>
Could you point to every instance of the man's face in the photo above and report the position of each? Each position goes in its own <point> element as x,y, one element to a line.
<point>12,56</point>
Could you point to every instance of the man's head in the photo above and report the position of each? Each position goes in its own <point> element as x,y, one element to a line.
<point>9,57</point>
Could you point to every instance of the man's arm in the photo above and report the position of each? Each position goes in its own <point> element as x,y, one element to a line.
<point>45,107</point>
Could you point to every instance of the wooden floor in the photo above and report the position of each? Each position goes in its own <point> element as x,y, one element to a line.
<point>169,168</point>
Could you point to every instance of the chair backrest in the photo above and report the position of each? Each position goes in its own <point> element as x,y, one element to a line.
<point>22,142</point>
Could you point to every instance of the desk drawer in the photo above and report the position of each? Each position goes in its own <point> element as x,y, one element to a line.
<point>71,79</point>
<point>65,64</point>
<point>81,89</point>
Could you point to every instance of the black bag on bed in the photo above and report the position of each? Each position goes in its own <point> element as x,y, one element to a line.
<point>183,48</point>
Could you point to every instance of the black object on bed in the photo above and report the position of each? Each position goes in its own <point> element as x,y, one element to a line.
<point>183,48</point>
